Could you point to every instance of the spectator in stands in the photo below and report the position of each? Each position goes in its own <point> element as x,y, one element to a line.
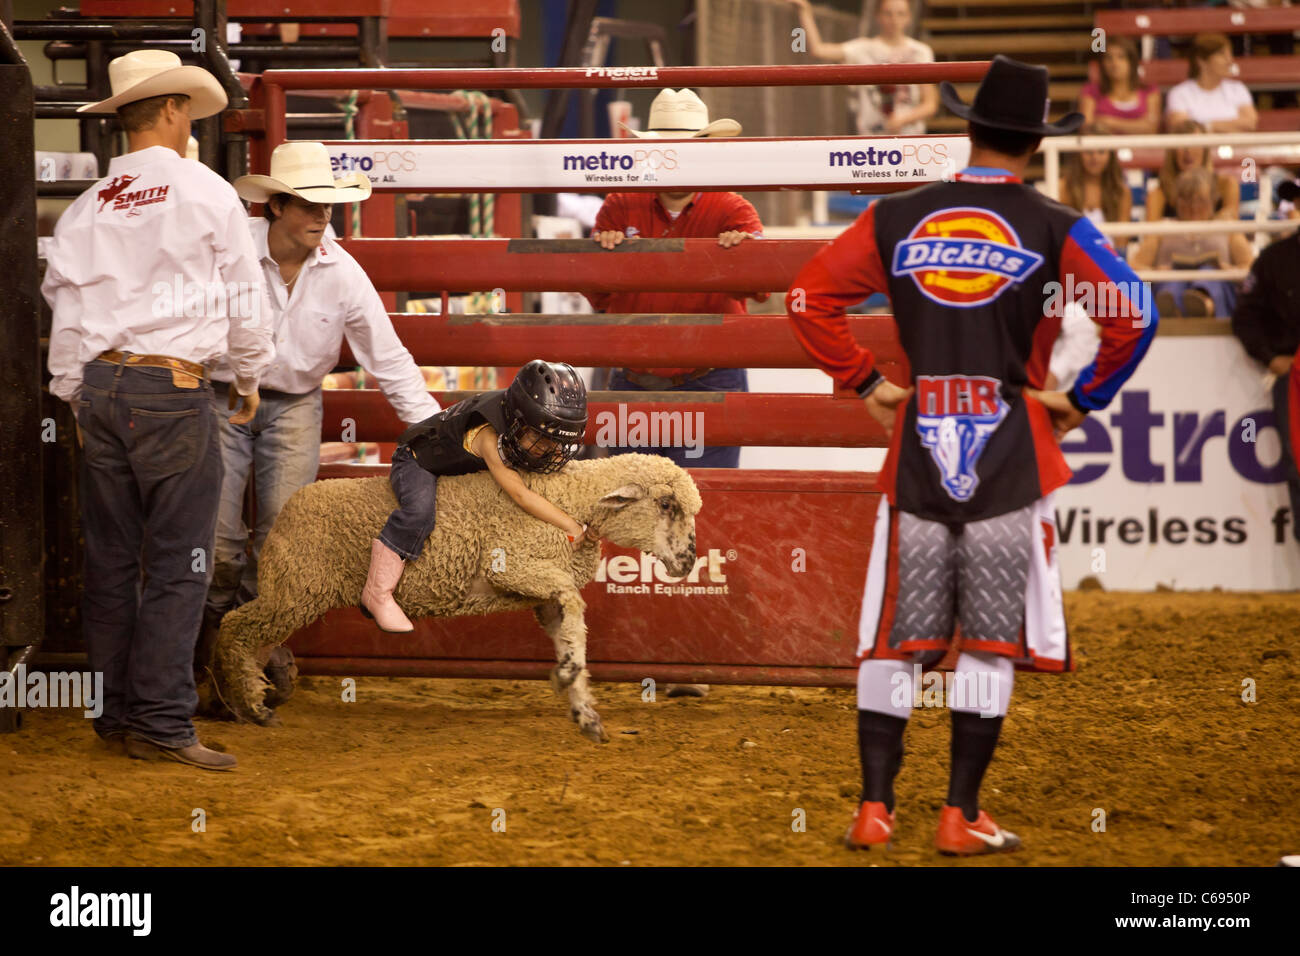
<point>1210,95</point>
<point>1227,193</point>
<point>882,109</point>
<point>1093,183</point>
<point>1193,200</point>
<point>1267,322</point>
<point>1119,102</point>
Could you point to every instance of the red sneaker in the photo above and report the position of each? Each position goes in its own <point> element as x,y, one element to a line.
<point>957,836</point>
<point>873,825</point>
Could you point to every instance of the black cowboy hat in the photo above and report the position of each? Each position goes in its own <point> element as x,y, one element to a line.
<point>1289,191</point>
<point>1013,96</point>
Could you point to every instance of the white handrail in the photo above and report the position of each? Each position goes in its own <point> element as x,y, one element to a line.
<point>1187,275</point>
<point>1174,227</point>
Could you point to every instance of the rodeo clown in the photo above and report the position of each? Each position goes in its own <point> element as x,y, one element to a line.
<point>319,296</point>
<point>965,533</point>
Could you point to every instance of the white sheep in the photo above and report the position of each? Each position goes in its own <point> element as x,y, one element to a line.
<point>484,555</point>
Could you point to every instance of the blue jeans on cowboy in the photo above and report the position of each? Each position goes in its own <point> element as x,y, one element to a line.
<point>411,522</point>
<point>280,450</point>
<point>717,380</point>
<point>150,474</point>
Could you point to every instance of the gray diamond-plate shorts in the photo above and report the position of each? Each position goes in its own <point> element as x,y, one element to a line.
<point>975,574</point>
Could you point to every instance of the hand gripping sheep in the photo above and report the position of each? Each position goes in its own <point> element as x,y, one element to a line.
<point>485,555</point>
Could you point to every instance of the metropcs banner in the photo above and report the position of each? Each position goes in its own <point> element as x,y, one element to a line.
<point>618,164</point>
<point>1179,482</point>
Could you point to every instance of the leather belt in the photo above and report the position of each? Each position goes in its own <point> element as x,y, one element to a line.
<point>658,382</point>
<point>155,361</point>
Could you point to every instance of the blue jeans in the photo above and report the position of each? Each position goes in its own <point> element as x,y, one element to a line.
<point>719,380</point>
<point>1220,291</point>
<point>411,523</point>
<point>150,474</point>
<point>280,449</point>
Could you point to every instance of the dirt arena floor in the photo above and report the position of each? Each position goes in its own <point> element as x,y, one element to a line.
<point>1152,729</point>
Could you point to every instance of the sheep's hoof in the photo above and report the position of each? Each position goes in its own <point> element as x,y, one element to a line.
<point>282,672</point>
<point>258,714</point>
<point>593,729</point>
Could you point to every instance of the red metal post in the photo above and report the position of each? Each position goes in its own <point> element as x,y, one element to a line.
<point>696,341</point>
<point>554,78</point>
<point>695,265</point>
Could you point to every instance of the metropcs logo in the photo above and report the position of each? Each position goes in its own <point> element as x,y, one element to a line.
<point>908,154</point>
<point>624,574</point>
<point>964,257</point>
<point>381,165</point>
<point>634,165</point>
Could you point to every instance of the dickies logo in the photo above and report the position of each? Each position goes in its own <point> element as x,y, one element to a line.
<point>955,417</point>
<point>963,257</point>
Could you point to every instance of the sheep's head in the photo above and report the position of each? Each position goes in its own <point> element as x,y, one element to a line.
<point>657,516</point>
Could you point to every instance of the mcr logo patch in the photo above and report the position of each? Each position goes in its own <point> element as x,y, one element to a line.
<point>955,416</point>
<point>963,257</point>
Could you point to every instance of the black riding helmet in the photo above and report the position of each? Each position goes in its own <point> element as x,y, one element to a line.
<point>551,398</point>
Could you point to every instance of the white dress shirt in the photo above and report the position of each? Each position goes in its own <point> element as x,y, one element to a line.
<point>156,259</point>
<point>332,297</point>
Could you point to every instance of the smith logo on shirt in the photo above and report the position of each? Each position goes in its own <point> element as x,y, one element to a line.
<point>116,193</point>
<point>955,416</point>
<point>963,257</point>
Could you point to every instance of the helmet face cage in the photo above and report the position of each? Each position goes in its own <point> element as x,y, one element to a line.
<point>551,400</point>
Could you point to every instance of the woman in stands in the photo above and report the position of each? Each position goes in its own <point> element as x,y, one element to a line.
<point>882,109</point>
<point>1119,102</point>
<point>1210,95</point>
<point>1227,193</point>
<point>1093,183</point>
<point>1195,298</point>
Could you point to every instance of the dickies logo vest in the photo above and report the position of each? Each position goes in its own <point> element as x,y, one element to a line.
<point>963,257</point>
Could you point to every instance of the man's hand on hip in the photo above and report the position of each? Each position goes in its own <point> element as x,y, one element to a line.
<point>245,414</point>
<point>883,402</point>
<point>1065,417</point>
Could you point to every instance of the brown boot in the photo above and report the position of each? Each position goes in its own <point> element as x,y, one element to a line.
<point>377,596</point>
<point>196,755</point>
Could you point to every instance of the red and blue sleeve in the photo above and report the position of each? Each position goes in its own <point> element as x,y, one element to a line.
<point>841,275</point>
<point>1122,306</point>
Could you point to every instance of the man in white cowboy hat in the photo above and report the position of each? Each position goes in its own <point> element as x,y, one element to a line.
<point>152,278</point>
<point>319,296</point>
<point>678,114</point>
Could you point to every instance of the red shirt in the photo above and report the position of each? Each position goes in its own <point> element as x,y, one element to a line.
<point>705,217</point>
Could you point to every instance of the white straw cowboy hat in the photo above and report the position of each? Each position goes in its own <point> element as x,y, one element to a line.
<point>680,114</point>
<point>303,170</point>
<point>141,74</point>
